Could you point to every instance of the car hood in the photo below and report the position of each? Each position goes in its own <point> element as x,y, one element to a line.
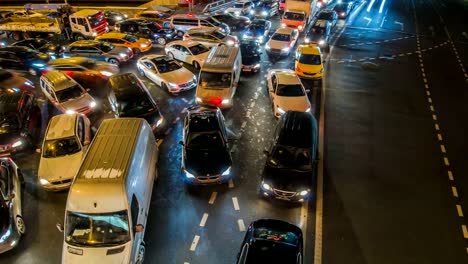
<point>204,162</point>
<point>308,67</point>
<point>9,138</point>
<point>275,44</point>
<point>295,103</point>
<point>15,82</point>
<point>59,168</point>
<point>144,41</point>
<point>78,103</point>
<point>179,76</point>
<point>287,180</point>
<point>97,255</point>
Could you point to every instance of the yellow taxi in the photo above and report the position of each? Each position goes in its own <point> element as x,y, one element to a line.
<point>126,40</point>
<point>308,62</point>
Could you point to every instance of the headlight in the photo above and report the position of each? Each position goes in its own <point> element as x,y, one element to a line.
<point>308,109</point>
<point>267,47</point>
<point>321,42</point>
<point>307,40</point>
<point>285,49</point>
<point>283,25</point>
<point>43,181</point>
<point>173,85</point>
<point>257,65</point>
<point>225,101</point>
<point>17,144</point>
<point>244,36</point>
<point>199,100</point>
<point>252,12</point>
<point>106,73</point>
<point>343,14</point>
<point>265,186</point>
<point>94,34</point>
<point>230,42</point>
<point>264,13</point>
<point>300,27</point>
<point>125,15</point>
<point>226,172</point>
<point>123,55</point>
<point>321,70</point>
<point>70,112</point>
<point>237,13</point>
<point>225,11</point>
<point>118,18</point>
<point>188,174</point>
<point>319,4</point>
<point>143,45</point>
<point>5,236</point>
<point>280,110</point>
<point>39,64</point>
<point>304,193</point>
<point>92,104</point>
<point>160,121</point>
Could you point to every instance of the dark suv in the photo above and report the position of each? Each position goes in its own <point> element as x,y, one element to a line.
<point>290,166</point>
<point>206,158</point>
<point>271,241</point>
<point>20,121</point>
<point>55,51</point>
<point>129,97</point>
<point>157,32</point>
<point>23,59</point>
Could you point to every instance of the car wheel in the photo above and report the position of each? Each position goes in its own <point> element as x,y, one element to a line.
<point>180,34</point>
<point>32,72</point>
<point>20,226</point>
<point>161,41</point>
<point>135,51</point>
<point>196,65</point>
<point>141,254</point>
<point>79,37</point>
<point>113,61</point>
<point>170,55</point>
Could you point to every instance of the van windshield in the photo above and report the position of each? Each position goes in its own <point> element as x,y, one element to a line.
<point>215,80</point>
<point>293,16</point>
<point>60,147</point>
<point>97,230</point>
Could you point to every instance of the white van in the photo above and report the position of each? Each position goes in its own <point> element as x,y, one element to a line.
<point>108,202</point>
<point>65,143</point>
<point>219,77</point>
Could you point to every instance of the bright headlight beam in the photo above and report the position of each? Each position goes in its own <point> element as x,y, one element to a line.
<point>370,5</point>
<point>381,6</point>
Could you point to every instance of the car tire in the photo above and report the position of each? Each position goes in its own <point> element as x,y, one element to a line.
<point>141,254</point>
<point>113,61</point>
<point>196,65</point>
<point>78,37</point>
<point>32,72</point>
<point>136,51</point>
<point>161,41</point>
<point>170,55</point>
<point>20,226</point>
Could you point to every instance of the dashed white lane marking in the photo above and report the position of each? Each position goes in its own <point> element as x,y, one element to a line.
<point>454,191</point>
<point>243,124</point>
<point>450,175</point>
<point>252,104</point>
<point>442,148</point>
<point>446,161</point>
<point>194,244</point>
<point>465,231</point>
<point>204,219</point>
<point>437,127</point>
<point>241,225</point>
<point>439,136</point>
<point>235,202</point>
<point>231,184</point>
<point>186,263</point>
<point>459,210</point>
<point>234,148</point>
<point>213,197</point>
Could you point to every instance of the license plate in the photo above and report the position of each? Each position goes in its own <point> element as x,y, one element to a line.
<point>282,198</point>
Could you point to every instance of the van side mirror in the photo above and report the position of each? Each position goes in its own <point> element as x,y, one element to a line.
<point>139,228</point>
<point>59,227</point>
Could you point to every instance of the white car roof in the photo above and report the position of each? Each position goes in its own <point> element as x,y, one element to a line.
<point>61,126</point>
<point>186,43</point>
<point>286,76</point>
<point>286,30</point>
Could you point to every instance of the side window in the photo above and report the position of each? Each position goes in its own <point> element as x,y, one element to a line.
<point>81,127</point>
<point>4,181</point>
<point>73,19</point>
<point>149,65</point>
<point>192,22</point>
<point>184,50</point>
<point>204,23</point>
<point>134,209</point>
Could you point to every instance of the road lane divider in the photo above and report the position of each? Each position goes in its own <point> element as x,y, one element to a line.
<point>204,219</point>
<point>213,197</point>
<point>241,225</point>
<point>194,244</point>
<point>235,202</point>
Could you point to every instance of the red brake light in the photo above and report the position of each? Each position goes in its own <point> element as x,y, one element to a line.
<point>69,73</point>
<point>216,101</point>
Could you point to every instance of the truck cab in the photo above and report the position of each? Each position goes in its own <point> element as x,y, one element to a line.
<point>87,24</point>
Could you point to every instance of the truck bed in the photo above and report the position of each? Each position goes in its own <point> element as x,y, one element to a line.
<point>36,24</point>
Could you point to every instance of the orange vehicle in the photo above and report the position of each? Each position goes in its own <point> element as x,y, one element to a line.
<point>126,40</point>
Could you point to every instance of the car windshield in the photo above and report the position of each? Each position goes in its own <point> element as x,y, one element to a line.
<point>218,34</point>
<point>60,147</point>
<point>293,16</point>
<point>310,59</point>
<point>214,21</point>
<point>96,19</point>
<point>198,49</point>
<point>9,123</point>
<point>97,230</point>
<point>289,90</point>
<point>285,157</point>
<point>250,48</point>
<point>131,38</point>
<point>205,140</point>
<point>257,27</point>
<point>325,16</point>
<point>215,80</point>
<point>166,66</point>
<point>105,46</point>
<point>341,7</point>
<point>69,93</point>
<point>281,37</point>
<point>135,106</point>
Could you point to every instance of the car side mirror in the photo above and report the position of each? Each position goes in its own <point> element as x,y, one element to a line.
<point>139,228</point>
<point>59,227</point>
<point>181,143</point>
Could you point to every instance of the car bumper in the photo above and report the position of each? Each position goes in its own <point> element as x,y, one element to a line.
<point>183,87</point>
<point>57,185</point>
<point>250,68</point>
<point>273,194</point>
<point>277,52</point>
<point>309,75</point>
<point>206,180</point>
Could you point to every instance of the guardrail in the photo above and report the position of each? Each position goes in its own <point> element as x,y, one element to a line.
<point>211,7</point>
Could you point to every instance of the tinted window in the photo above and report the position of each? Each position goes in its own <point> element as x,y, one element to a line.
<point>289,90</point>
<point>60,147</point>
<point>198,49</point>
<point>281,37</point>
<point>69,93</point>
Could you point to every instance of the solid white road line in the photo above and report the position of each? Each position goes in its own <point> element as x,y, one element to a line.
<point>203,220</point>
<point>194,243</point>
<point>235,203</point>
<point>213,197</point>
<point>241,225</point>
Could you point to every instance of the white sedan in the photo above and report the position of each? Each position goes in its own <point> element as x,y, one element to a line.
<point>282,42</point>
<point>167,73</point>
<point>190,52</point>
<point>286,92</point>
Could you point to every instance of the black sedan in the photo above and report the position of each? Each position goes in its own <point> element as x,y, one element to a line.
<point>258,30</point>
<point>271,241</point>
<point>113,17</point>
<point>12,225</point>
<point>206,158</point>
<point>23,59</point>
<point>234,22</point>
<point>42,45</point>
<point>250,51</point>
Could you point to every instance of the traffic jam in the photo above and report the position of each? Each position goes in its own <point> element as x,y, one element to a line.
<point>97,128</point>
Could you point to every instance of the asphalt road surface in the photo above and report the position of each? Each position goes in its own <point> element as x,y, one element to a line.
<point>393,111</point>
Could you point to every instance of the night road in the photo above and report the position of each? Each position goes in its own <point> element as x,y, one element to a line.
<point>392,184</point>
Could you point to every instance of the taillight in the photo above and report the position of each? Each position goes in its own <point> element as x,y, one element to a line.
<point>186,36</point>
<point>43,72</point>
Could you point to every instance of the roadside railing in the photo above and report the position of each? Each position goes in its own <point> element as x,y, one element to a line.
<point>215,6</point>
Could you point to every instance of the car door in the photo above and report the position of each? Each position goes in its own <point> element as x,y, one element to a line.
<point>95,53</point>
<point>185,55</point>
<point>272,83</point>
<point>152,72</point>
